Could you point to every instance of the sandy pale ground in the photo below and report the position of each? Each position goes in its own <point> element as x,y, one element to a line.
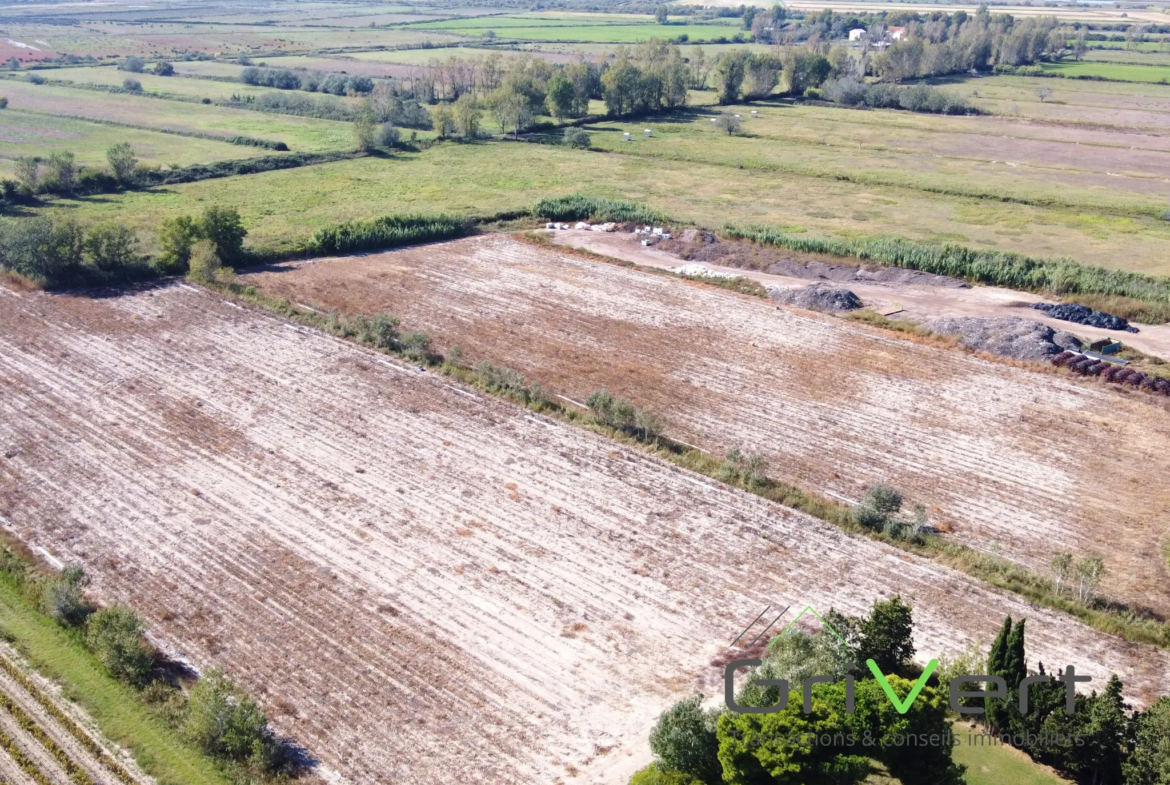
<point>419,583</point>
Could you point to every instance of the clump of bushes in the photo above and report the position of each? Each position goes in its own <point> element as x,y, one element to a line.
<point>578,207</point>
<point>750,471</point>
<point>511,383</point>
<point>621,415</point>
<point>56,252</point>
<point>221,228</point>
<point>132,85</point>
<point>386,232</point>
<point>577,138</point>
<point>849,91</point>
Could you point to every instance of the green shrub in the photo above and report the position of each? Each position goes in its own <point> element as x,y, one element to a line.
<point>111,246</point>
<point>62,597</point>
<point>223,227</point>
<point>416,345</point>
<point>683,740</point>
<point>653,775</point>
<point>41,249</point>
<point>34,78</point>
<point>224,722</point>
<point>621,415</point>
<point>577,138</point>
<point>205,264</point>
<point>132,85</point>
<point>115,635</point>
<point>577,207</point>
<point>3,102</point>
<point>176,236</point>
<point>163,68</point>
<point>387,232</point>
<point>380,331</point>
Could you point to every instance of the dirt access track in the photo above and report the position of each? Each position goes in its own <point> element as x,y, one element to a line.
<point>918,302</point>
<point>419,583</point>
<point>1016,462</point>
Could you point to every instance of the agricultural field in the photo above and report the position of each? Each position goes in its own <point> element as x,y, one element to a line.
<point>282,208</point>
<point>32,134</point>
<point>45,739</point>
<point>1008,460</point>
<point>301,134</point>
<point>419,582</point>
<point>1116,71</point>
<point>951,155</point>
<point>610,34</point>
<point>1160,57</point>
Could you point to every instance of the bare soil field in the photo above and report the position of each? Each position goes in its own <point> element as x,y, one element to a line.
<point>1015,462</point>
<point>420,583</point>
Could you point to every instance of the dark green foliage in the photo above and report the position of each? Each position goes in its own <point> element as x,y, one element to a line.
<point>995,268</point>
<point>849,91</point>
<point>175,238</point>
<point>250,141</point>
<point>621,415</point>
<point>122,162</point>
<point>223,227</point>
<point>34,78</point>
<point>886,637</point>
<point>163,68</point>
<point>1150,762</point>
<point>62,597</point>
<point>380,331</point>
<point>224,722</point>
<point>506,381</point>
<point>325,107</point>
<point>132,64</point>
<point>875,511</point>
<point>684,740</point>
<point>131,85</point>
<point>387,231</point>
<point>998,715</point>
<point>416,345</point>
<point>578,207</point>
<point>60,173</point>
<point>268,163</point>
<point>111,246</point>
<point>42,250</point>
<point>115,636</point>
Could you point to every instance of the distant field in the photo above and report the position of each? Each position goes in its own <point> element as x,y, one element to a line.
<point>952,155</point>
<point>281,208</point>
<point>1118,71</point>
<point>173,85</point>
<point>603,33</point>
<point>25,133</point>
<point>1119,106</point>
<point>999,765</point>
<point>301,134</point>
<point>1126,56</point>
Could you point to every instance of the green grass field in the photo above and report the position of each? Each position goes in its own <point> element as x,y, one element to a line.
<point>25,133</point>
<point>301,134</point>
<point>616,34</point>
<point>923,152</point>
<point>114,707</point>
<point>169,85</point>
<point>1160,57</point>
<point>987,765</point>
<point>1116,71</point>
<point>282,208</point>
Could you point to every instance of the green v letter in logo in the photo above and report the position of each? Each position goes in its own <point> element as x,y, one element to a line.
<point>902,706</point>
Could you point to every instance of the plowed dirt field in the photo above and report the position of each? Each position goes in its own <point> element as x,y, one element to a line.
<point>1015,462</point>
<point>419,583</point>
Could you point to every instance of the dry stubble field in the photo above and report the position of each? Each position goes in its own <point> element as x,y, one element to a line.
<point>419,583</point>
<point>1016,462</point>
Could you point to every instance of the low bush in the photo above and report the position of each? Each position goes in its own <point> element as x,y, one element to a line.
<point>621,415</point>
<point>62,597</point>
<point>133,85</point>
<point>577,138</point>
<point>34,78</point>
<point>578,207</point>
<point>848,91</point>
<point>387,231</point>
<point>508,382</point>
<point>225,723</point>
<point>115,635</point>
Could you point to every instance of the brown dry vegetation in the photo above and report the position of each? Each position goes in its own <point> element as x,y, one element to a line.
<point>1016,463</point>
<point>296,508</point>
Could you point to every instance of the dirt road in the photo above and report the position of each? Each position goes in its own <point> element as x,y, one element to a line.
<point>918,302</point>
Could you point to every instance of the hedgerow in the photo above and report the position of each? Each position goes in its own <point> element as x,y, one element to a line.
<point>577,207</point>
<point>387,231</point>
<point>1061,276</point>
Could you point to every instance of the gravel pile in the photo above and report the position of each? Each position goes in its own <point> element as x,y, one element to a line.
<point>1083,314</point>
<point>818,297</point>
<point>1007,336</point>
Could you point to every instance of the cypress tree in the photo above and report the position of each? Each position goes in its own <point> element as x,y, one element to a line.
<point>997,665</point>
<point>1015,671</point>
